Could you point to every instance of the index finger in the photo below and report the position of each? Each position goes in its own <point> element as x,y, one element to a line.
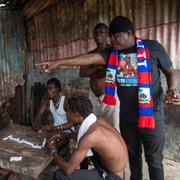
<point>41,64</point>
<point>42,67</point>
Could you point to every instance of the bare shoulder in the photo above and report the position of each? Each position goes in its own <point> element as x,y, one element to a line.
<point>90,137</point>
<point>105,131</point>
<point>98,129</point>
<point>88,140</point>
<point>103,123</point>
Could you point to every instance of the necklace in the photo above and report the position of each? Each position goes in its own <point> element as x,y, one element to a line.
<point>57,104</point>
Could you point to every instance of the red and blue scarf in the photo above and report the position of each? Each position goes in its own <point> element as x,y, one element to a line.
<point>146,114</point>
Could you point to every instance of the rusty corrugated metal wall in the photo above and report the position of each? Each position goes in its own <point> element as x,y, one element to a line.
<point>12,52</point>
<point>58,29</point>
<point>66,28</point>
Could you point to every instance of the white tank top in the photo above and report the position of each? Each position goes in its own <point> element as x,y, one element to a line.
<point>59,115</point>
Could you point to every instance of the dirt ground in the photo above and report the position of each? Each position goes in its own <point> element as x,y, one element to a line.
<point>171,171</point>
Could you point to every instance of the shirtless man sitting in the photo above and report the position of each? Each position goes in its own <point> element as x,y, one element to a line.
<point>94,136</point>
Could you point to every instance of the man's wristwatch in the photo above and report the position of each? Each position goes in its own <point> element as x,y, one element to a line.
<point>171,90</point>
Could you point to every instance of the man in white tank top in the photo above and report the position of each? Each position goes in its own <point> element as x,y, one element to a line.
<point>55,102</point>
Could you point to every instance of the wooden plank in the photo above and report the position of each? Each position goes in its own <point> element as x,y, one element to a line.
<point>34,160</point>
<point>35,7</point>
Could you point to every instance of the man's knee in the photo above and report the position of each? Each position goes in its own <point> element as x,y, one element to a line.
<point>154,159</point>
<point>134,154</point>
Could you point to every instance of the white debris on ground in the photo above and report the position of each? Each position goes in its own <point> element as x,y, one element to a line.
<point>16,158</point>
<point>22,141</point>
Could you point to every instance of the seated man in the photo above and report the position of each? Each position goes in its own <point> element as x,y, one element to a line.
<point>55,102</point>
<point>96,96</point>
<point>95,136</point>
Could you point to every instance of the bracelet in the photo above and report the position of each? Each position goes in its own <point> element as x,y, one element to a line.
<point>61,127</point>
<point>52,152</point>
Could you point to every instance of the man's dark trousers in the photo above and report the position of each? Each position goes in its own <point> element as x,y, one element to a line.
<point>153,143</point>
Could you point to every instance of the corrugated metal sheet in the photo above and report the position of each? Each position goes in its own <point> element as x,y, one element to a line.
<point>169,36</point>
<point>33,7</point>
<point>58,29</point>
<point>12,52</point>
<point>66,28</point>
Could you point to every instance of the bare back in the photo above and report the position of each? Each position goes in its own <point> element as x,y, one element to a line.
<point>108,143</point>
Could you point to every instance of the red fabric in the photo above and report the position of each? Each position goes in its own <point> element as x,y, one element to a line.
<point>142,77</point>
<point>146,121</point>
<point>109,99</point>
<point>111,60</point>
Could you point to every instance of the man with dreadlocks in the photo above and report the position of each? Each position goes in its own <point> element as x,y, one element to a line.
<point>95,136</point>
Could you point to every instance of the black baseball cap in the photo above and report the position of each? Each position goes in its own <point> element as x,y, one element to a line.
<point>120,24</point>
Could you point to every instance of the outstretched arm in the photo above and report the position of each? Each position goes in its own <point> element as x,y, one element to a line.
<point>82,60</point>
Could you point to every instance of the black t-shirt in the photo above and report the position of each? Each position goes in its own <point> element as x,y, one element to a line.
<point>127,87</point>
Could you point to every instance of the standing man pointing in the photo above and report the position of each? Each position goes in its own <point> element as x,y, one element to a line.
<point>133,65</point>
